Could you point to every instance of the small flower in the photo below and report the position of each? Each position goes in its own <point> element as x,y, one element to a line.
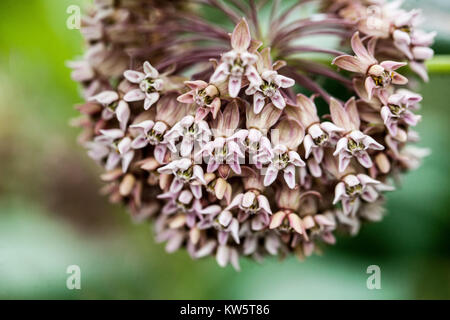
<point>254,139</point>
<point>185,172</point>
<point>118,146</point>
<point>397,110</point>
<point>287,136</point>
<point>205,96</point>
<point>271,84</point>
<point>150,85</point>
<point>191,132</point>
<point>287,221</point>
<point>403,27</point>
<point>318,134</point>
<point>225,255</point>
<point>113,106</point>
<point>253,204</point>
<point>377,75</point>
<point>151,133</point>
<point>185,202</point>
<point>354,143</point>
<point>238,62</point>
<point>224,149</point>
<point>352,188</point>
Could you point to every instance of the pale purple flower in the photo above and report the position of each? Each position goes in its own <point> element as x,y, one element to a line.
<point>286,138</point>
<point>193,133</point>
<point>398,110</point>
<point>354,143</point>
<point>404,24</point>
<point>150,85</point>
<point>353,188</point>
<point>113,106</point>
<point>286,221</point>
<point>254,205</point>
<point>152,133</point>
<point>205,96</point>
<point>118,149</point>
<point>185,202</point>
<point>226,254</point>
<point>377,75</point>
<point>185,172</point>
<point>225,149</point>
<point>270,86</point>
<point>237,63</point>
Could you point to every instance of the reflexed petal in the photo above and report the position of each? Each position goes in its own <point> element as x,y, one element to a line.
<point>234,86</point>
<point>289,176</point>
<point>223,255</point>
<point>134,76</point>
<point>277,219</point>
<point>188,97</point>
<point>364,159</point>
<point>271,175</point>
<point>339,192</point>
<point>264,204</point>
<point>258,102</point>
<point>123,114</point>
<point>296,223</point>
<point>139,142</point>
<point>278,100</point>
<point>150,100</point>
<point>150,70</point>
<point>134,95</point>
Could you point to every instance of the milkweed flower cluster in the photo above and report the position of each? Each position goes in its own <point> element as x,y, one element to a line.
<point>228,141</point>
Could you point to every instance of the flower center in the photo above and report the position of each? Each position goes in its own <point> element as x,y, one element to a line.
<point>147,85</point>
<point>154,137</point>
<point>280,161</point>
<point>237,70</point>
<point>384,79</point>
<point>320,140</point>
<point>353,190</point>
<point>353,146</point>
<point>396,109</point>
<point>269,89</point>
<point>185,175</point>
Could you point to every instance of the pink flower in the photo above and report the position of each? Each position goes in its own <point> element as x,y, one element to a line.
<point>238,62</point>
<point>150,85</point>
<point>253,204</point>
<point>318,134</point>
<point>226,254</point>
<point>224,149</point>
<point>115,146</point>
<point>185,172</point>
<point>254,138</point>
<point>286,138</point>
<point>192,134</point>
<point>205,96</point>
<point>152,133</point>
<point>352,188</point>
<point>354,143</point>
<point>397,110</point>
<point>113,106</point>
<point>377,75</point>
<point>286,221</point>
<point>271,84</point>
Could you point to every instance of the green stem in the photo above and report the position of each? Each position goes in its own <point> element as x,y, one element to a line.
<point>439,64</point>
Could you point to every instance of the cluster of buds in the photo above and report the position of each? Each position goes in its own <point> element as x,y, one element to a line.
<point>214,142</point>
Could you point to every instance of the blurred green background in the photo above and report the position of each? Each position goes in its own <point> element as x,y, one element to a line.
<point>52,216</point>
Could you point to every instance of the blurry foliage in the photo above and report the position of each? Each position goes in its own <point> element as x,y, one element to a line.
<point>52,216</point>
